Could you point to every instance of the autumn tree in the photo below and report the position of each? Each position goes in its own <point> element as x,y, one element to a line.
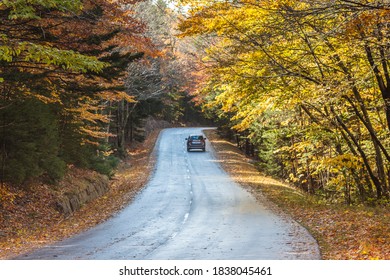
<point>158,82</point>
<point>175,61</point>
<point>319,69</point>
<point>68,58</point>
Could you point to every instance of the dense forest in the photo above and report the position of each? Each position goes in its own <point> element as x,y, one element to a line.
<point>302,86</point>
<point>79,78</point>
<point>307,83</point>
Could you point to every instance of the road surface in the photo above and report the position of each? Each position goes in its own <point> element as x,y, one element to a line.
<point>190,210</point>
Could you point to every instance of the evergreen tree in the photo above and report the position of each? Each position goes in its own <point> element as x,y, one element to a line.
<point>53,87</point>
<point>29,141</point>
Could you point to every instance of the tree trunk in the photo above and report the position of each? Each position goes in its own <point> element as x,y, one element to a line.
<point>375,180</point>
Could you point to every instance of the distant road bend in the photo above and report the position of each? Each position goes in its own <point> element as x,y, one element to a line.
<point>190,210</point>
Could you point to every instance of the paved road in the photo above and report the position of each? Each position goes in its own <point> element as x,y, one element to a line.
<point>190,209</point>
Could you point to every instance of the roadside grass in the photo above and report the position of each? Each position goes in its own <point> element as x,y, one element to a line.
<point>342,232</point>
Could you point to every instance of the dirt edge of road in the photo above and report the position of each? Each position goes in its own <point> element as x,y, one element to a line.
<point>342,232</point>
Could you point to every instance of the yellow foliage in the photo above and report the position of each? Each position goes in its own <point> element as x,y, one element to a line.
<point>116,96</point>
<point>305,59</point>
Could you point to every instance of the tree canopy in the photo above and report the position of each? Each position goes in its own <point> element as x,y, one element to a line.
<point>61,63</point>
<point>79,78</point>
<point>308,82</point>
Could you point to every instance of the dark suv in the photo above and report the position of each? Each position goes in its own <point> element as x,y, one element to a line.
<point>196,142</point>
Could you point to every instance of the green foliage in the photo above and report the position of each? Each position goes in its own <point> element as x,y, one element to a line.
<point>74,151</point>
<point>105,164</point>
<point>67,59</point>
<point>29,142</point>
<point>29,9</point>
<point>267,137</point>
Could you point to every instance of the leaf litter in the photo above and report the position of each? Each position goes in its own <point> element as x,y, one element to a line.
<point>342,232</point>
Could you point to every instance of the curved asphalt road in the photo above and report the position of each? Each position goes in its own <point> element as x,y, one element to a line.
<point>190,209</point>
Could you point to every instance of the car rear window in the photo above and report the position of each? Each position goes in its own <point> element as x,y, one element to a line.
<point>196,137</point>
